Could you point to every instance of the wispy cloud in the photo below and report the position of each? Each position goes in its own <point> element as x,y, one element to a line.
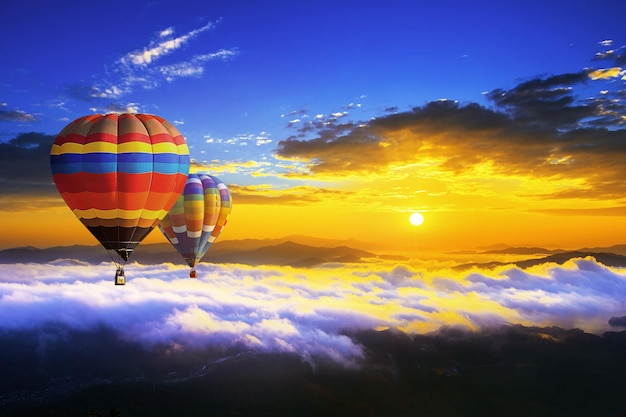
<point>141,68</point>
<point>306,311</point>
<point>193,67</point>
<point>15,115</point>
<point>617,56</point>
<point>294,195</point>
<point>166,45</point>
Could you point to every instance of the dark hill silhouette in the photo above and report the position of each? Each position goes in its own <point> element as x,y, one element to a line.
<point>291,253</point>
<point>522,251</point>
<point>608,259</point>
<point>248,252</point>
<point>618,249</point>
<point>89,254</point>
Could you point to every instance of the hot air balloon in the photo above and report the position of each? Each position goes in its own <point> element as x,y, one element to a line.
<point>197,218</point>
<point>120,174</point>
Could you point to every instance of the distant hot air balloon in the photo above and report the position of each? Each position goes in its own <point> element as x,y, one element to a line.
<point>197,218</point>
<point>120,174</point>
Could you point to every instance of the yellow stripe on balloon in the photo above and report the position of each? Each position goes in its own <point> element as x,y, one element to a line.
<point>85,214</point>
<point>143,147</point>
<point>108,147</point>
<point>165,147</point>
<point>68,147</point>
<point>99,146</point>
<point>120,214</point>
<point>73,147</point>
<point>136,147</point>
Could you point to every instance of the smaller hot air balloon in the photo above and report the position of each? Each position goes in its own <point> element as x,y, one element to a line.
<point>197,218</point>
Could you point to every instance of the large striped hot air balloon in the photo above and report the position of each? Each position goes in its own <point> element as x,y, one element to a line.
<point>120,174</point>
<point>197,218</point>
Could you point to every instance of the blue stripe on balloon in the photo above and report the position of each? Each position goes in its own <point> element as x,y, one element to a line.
<point>66,168</point>
<point>99,162</point>
<point>135,157</point>
<point>168,168</point>
<point>129,163</point>
<point>166,158</point>
<point>170,163</point>
<point>68,163</point>
<point>135,167</point>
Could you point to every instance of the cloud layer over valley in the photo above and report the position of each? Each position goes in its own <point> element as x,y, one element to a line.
<point>306,311</point>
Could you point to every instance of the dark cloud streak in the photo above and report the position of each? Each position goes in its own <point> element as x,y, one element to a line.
<point>538,128</point>
<point>545,102</point>
<point>617,57</point>
<point>25,165</point>
<point>16,116</point>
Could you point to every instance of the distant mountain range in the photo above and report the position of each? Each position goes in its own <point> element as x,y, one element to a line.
<point>606,258</point>
<point>297,251</point>
<point>616,249</point>
<point>286,252</point>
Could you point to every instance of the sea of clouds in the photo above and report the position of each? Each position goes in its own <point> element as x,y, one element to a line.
<point>305,310</point>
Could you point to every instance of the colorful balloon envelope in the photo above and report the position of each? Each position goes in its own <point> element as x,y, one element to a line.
<point>197,218</point>
<point>120,174</point>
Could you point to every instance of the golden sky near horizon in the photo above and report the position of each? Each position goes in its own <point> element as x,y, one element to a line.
<point>444,230</point>
<point>470,199</point>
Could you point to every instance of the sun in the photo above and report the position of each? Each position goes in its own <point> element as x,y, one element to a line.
<point>416,218</point>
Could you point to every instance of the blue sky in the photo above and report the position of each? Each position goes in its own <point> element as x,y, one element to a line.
<point>232,71</point>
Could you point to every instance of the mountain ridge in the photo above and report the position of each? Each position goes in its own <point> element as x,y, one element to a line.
<point>293,251</point>
<point>250,252</point>
<point>605,258</point>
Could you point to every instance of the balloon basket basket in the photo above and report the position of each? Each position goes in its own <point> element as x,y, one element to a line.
<point>120,278</point>
<point>193,274</point>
